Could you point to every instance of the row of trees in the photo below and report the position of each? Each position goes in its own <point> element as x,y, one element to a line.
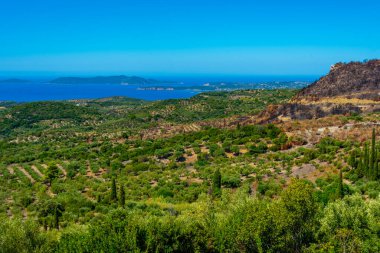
<point>366,161</point>
<point>115,197</point>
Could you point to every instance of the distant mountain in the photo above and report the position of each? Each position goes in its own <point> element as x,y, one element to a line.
<point>14,80</point>
<point>105,80</point>
<point>348,88</point>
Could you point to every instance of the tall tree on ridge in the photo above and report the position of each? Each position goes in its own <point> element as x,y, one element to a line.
<point>217,184</point>
<point>340,186</point>
<point>113,190</point>
<point>122,196</point>
<point>366,161</point>
<point>373,173</point>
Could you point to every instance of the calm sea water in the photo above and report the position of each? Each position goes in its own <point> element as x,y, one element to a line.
<point>37,91</point>
<point>41,90</point>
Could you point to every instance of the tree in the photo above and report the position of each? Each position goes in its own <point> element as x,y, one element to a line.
<point>217,183</point>
<point>366,160</point>
<point>125,135</point>
<point>235,149</point>
<point>113,190</point>
<point>116,165</point>
<point>52,172</point>
<point>297,214</point>
<point>23,236</point>
<point>58,211</point>
<point>373,159</point>
<point>50,213</point>
<point>72,169</point>
<point>122,196</point>
<point>340,186</point>
<point>346,225</point>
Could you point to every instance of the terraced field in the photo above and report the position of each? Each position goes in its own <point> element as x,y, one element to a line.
<point>121,166</point>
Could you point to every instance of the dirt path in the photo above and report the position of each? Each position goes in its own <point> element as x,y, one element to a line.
<point>9,202</point>
<point>62,169</point>
<point>24,214</point>
<point>11,170</point>
<point>85,194</point>
<point>26,174</point>
<point>295,148</point>
<point>192,158</point>
<point>304,170</point>
<point>49,192</point>
<point>37,171</point>
<point>89,172</point>
<point>9,213</point>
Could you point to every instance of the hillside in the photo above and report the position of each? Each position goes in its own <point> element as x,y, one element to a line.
<point>21,118</point>
<point>187,175</point>
<point>350,88</point>
<point>351,80</point>
<point>114,115</point>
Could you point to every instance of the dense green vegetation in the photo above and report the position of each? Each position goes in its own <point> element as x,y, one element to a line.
<point>366,161</point>
<point>124,114</point>
<point>83,180</point>
<point>236,223</point>
<point>216,105</point>
<point>27,115</point>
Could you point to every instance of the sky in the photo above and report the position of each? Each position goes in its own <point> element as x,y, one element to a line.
<point>185,37</point>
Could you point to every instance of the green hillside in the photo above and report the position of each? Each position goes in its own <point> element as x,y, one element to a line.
<point>126,175</point>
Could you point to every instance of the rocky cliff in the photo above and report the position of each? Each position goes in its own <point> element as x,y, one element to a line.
<point>348,88</point>
<point>351,80</point>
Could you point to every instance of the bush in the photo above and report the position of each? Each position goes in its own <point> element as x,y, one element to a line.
<point>18,236</point>
<point>231,181</point>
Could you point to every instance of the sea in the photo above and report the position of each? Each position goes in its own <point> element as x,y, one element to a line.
<point>39,89</point>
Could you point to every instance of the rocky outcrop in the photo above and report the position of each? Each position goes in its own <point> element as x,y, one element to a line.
<point>348,88</point>
<point>352,80</point>
<point>291,111</point>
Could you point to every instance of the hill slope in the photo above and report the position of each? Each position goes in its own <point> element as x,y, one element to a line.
<point>355,79</point>
<point>23,117</point>
<point>348,88</point>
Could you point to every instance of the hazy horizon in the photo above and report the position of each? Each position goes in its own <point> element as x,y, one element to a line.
<point>37,76</point>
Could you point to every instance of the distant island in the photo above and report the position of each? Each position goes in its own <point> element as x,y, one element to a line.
<point>14,80</point>
<point>105,80</point>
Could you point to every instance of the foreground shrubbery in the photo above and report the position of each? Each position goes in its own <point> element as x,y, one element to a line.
<point>24,237</point>
<point>295,222</point>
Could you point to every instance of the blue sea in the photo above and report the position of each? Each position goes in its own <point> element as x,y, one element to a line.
<point>42,90</point>
<point>38,91</point>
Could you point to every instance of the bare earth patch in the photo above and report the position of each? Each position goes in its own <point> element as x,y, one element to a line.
<point>37,170</point>
<point>190,158</point>
<point>11,170</point>
<point>191,180</point>
<point>303,171</point>
<point>62,169</point>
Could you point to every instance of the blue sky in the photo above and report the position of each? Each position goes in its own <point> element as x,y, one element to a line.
<point>185,37</point>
